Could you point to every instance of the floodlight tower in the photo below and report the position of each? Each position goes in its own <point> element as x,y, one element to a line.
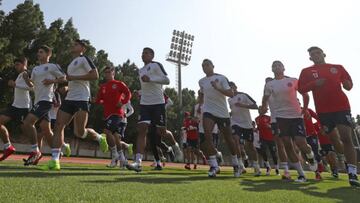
<point>180,54</point>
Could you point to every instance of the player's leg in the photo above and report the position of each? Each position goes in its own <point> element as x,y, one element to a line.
<point>4,135</point>
<point>30,130</point>
<point>225,130</point>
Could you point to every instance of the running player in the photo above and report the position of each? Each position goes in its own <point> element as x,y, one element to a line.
<point>76,104</point>
<point>241,124</point>
<point>20,106</point>
<point>113,95</point>
<point>216,88</point>
<point>43,77</point>
<point>152,103</point>
<point>289,116</point>
<point>332,105</point>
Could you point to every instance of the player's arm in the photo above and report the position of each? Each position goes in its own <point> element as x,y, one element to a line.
<point>124,90</point>
<point>250,103</point>
<point>346,80</point>
<point>99,96</point>
<point>305,85</point>
<point>160,76</point>
<point>58,73</point>
<point>89,66</point>
<point>265,99</point>
<point>27,80</point>
<point>129,109</point>
<point>224,87</point>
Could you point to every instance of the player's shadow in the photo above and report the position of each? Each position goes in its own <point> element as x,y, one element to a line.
<point>343,194</point>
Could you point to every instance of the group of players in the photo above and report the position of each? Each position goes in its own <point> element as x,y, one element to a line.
<point>285,133</point>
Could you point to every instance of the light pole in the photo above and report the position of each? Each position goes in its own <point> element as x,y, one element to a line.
<point>180,54</point>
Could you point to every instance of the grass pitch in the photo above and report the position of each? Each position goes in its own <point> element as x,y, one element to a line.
<point>96,183</point>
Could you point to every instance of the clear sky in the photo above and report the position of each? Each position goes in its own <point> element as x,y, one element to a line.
<point>241,37</point>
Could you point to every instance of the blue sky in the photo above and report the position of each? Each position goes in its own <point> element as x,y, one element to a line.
<point>241,37</point>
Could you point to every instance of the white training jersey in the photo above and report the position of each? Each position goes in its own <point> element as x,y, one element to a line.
<point>272,110</point>
<point>152,92</point>
<point>256,141</point>
<point>128,110</point>
<point>21,93</point>
<point>214,101</point>
<point>198,114</point>
<point>284,92</point>
<point>79,90</point>
<point>39,74</point>
<point>241,116</point>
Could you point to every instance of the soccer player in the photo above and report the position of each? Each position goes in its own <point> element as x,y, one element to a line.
<point>152,103</point>
<point>43,78</point>
<point>80,72</point>
<point>216,88</point>
<point>289,116</point>
<point>113,95</point>
<point>326,81</point>
<point>20,106</point>
<point>267,140</point>
<point>191,126</point>
<point>241,124</point>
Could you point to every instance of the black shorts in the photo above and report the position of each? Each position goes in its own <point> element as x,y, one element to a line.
<point>184,145</point>
<point>71,107</point>
<point>16,114</point>
<point>193,143</point>
<point>291,127</point>
<point>244,133</point>
<point>153,114</point>
<point>275,129</point>
<point>42,110</point>
<point>221,122</point>
<point>268,144</point>
<point>116,124</point>
<point>326,148</point>
<point>330,120</point>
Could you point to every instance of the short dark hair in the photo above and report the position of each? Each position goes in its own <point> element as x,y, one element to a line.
<point>209,61</point>
<point>314,48</point>
<point>231,83</point>
<point>150,50</point>
<point>46,48</point>
<point>82,42</point>
<point>21,59</point>
<point>112,69</point>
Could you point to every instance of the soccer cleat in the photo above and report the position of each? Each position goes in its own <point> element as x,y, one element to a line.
<point>171,154</point>
<point>321,167</point>
<point>353,180</point>
<point>286,176</point>
<point>237,171</point>
<point>277,172</point>
<point>67,149</point>
<point>219,158</point>
<point>52,165</point>
<point>268,170</point>
<point>134,167</point>
<point>7,152</point>
<point>33,158</point>
<point>213,171</point>
<point>195,166</point>
<point>158,168</point>
<point>153,164</point>
<point>130,150</point>
<point>318,176</point>
<point>301,179</point>
<point>187,166</point>
<point>179,157</point>
<point>313,165</point>
<point>103,144</point>
<point>257,173</point>
<point>334,173</point>
<point>113,163</point>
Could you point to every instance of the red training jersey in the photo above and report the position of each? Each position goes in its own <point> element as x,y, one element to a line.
<point>110,94</point>
<point>309,125</point>
<point>323,138</point>
<point>329,97</point>
<point>191,128</point>
<point>264,127</point>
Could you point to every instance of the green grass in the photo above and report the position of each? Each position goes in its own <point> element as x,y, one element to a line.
<point>95,183</point>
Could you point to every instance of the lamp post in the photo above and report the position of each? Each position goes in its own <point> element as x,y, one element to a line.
<point>180,54</point>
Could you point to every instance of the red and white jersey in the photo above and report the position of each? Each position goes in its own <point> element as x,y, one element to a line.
<point>241,116</point>
<point>323,139</point>
<point>329,97</point>
<point>39,74</point>
<point>152,92</point>
<point>79,90</point>
<point>285,103</point>
<point>214,101</point>
<point>21,93</point>
<point>263,124</point>
<point>309,125</point>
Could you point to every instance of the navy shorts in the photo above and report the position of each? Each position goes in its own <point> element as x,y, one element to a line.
<point>116,124</point>
<point>291,127</point>
<point>153,114</point>
<point>193,143</point>
<point>244,133</point>
<point>330,120</point>
<point>71,107</point>
<point>326,149</point>
<point>221,122</point>
<point>275,129</point>
<point>42,110</point>
<point>16,114</point>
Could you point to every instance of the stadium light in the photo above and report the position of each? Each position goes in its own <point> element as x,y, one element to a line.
<point>180,54</point>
